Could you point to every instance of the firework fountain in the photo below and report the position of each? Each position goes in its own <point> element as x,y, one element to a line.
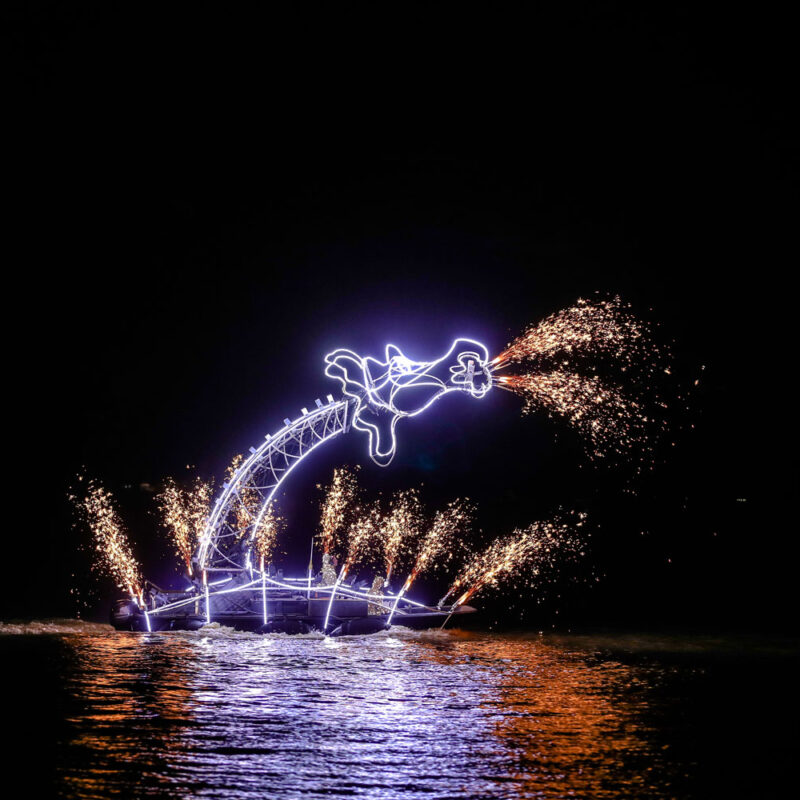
<point>401,528</point>
<point>620,413</point>
<point>341,501</point>
<point>184,513</point>
<point>113,554</point>
<point>439,544</point>
<point>361,536</point>
<point>522,555</point>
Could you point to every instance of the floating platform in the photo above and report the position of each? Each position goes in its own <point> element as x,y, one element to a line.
<point>286,612</point>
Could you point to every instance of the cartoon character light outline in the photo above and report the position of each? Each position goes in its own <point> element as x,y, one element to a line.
<point>399,387</point>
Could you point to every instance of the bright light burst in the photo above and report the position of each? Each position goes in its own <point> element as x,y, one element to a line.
<point>619,413</point>
<point>184,512</point>
<point>518,558</point>
<point>401,528</point>
<point>113,553</point>
<point>340,502</point>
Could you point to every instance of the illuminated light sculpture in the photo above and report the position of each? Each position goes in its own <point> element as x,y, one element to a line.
<point>398,387</point>
<point>377,394</point>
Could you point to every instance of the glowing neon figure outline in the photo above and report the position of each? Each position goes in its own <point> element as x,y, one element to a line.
<point>398,387</point>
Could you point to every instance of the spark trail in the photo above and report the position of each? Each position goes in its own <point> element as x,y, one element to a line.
<point>401,528</point>
<point>340,502</point>
<point>619,413</point>
<point>112,549</point>
<point>439,543</point>
<point>184,512</point>
<point>520,557</point>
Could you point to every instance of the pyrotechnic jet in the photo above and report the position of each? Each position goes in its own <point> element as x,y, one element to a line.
<point>398,387</point>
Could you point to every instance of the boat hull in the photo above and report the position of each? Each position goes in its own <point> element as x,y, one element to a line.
<point>347,618</point>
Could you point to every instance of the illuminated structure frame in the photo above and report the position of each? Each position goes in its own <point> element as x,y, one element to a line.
<point>371,387</point>
<point>263,472</point>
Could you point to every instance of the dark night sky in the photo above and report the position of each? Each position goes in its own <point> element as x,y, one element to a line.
<point>202,206</point>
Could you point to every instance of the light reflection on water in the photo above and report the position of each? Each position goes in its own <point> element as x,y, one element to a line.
<point>406,714</point>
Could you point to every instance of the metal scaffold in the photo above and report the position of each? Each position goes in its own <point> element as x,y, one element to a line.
<point>223,548</point>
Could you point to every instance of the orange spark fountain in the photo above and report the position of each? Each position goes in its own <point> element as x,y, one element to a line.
<point>521,557</point>
<point>113,551</point>
<point>341,501</point>
<point>401,528</point>
<point>184,512</point>
<point>620,413</point>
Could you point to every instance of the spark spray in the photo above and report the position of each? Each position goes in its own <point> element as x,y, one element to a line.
<point>184,512</point>
<point>518,558</point>
<point>340,502</point>
<point>401,528</point>
<point>250,502</point>
<point>264,536</point>
<point>593,328</point>
<point>439,543</point>
<point>113,553</point>
<point>361,536</point>
<point>620,413</point>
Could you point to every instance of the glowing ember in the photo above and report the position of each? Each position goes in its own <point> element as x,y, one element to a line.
<point>341,500</point>
<point>113,552</point>
<point>519,557</point>
<point>584,338</point>
<point>184,512</point>
<point>401,528</point>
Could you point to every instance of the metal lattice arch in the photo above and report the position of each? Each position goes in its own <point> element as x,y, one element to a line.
<point>221,546</point>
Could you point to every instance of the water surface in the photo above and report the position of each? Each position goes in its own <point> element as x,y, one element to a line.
<point>404,714</point>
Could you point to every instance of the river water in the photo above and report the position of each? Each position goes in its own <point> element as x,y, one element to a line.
<point>95,714</point>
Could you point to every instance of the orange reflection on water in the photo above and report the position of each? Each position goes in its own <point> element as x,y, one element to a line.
<point>132,699</point>
<point>569,722</point>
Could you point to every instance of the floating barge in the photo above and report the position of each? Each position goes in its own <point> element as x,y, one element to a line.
<point>266,605</point>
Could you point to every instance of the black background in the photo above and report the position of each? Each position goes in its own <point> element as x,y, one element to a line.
<point>201,205</point>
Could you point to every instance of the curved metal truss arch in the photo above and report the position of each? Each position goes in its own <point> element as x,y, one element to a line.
<point>224,547</point>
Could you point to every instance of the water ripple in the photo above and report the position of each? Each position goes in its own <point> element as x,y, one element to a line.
<point>407,714</point>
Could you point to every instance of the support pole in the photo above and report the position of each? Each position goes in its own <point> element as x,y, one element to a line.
<point>333,594</point>
<point>452,611</point>
<point>264,590</point>
<point>394,607</point>
<point>208,601</point>
<point>310,568</point>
